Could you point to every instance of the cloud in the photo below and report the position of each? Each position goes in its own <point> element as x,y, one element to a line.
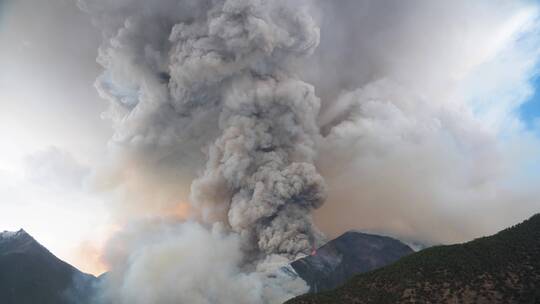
<point>55,168</point>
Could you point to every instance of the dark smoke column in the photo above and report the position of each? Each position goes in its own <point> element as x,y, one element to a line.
<point>260,177</point>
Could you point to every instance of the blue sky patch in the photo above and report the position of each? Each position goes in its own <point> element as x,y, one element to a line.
<point>530,110</point>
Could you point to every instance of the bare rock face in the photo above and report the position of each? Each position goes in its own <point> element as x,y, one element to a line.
<point>352,253</point>
<point>29,273</point>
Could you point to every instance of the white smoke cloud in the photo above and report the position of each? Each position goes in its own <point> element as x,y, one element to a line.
<point>188,263</point>
<point>421,122</point>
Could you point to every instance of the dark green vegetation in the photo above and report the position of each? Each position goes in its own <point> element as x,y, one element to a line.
<point>503,268</point>
<point>350,254</point>
<point>30,274</point>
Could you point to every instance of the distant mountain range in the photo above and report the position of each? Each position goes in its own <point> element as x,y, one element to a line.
<point>503,268</point>
<point>350,254</point>
<point>30,274</point>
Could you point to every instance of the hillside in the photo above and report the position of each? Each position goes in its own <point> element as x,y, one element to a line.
<point>352,253</point>
<point>503,268</point>
<point>30,274</point>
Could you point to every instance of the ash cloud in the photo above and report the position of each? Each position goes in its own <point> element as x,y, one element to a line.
<point>185,77</point>
<point>227,83</point>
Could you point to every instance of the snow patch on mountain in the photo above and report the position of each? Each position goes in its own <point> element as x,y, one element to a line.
<point>5,235</point>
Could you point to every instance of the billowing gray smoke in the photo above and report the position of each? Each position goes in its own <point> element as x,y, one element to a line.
<point>170,75</point>
<point>260,177</point>
<point>215,75</point>
<point>419,113</point>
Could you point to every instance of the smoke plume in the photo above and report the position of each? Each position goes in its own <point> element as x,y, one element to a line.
<point>241,107</point>
<point>215,76</point>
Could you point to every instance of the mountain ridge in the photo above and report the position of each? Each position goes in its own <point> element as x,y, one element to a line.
<point>502,268</point>
<point>351,253</point>
<point>26,265</point>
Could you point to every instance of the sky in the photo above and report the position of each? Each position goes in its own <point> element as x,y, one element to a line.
<point>51,126</point>
<point>55,134</point>
<point>530,110</point>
